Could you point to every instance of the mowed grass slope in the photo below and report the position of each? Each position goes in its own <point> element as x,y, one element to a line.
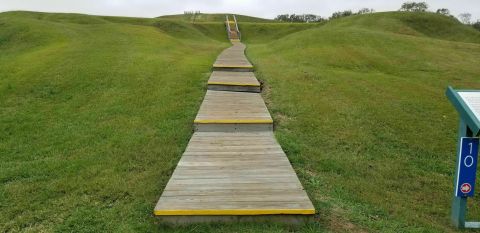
<point>359,107</point>
<point>256,33</point>
<point>96,111</point>
<point>219,17</point>
<point>94,114</point>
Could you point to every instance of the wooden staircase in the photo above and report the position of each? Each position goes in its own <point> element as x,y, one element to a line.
<point>232,29</point>
<point>233,169</point>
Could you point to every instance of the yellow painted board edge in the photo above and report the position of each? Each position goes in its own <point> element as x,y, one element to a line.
<point>231,66</point>
<point>233,121</point>
<point>234,84</point>
<point>235,212</point>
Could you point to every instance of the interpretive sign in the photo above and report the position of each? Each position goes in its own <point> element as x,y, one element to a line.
<point>472,100</point>
<point>467,167</point>
<point>467,104</point>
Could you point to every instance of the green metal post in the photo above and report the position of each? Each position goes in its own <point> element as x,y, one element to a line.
<point>459,204</point>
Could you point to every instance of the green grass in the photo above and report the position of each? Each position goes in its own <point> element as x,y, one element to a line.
<point>360,109</point>
<point>215,18</point>
<point>94,116</point>
<point>96,111</point>
<point>409,23</point>
<point>254,33</point>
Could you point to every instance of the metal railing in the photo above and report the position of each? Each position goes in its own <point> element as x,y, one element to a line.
<point>229,29</point>
<point>227,22</point>
<point>236,27</point>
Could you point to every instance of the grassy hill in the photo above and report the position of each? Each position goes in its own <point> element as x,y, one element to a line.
<point>415,24</point>
<point>94,115</point>
<point>96,111</point>
<point>254,33</point>
<point>215,18</point>
<point>360,109</point>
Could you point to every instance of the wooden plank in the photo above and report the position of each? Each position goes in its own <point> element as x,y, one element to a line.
<point>211,175</point>
<point>225,154</point>
<point>241,180</point>
<point>201,159</point>
<point>233,79</point>
<point>253,168</point>
<point>258,186</point>
<point>233,107</point>
<point>221,135</point>
<point>233,205</point>
<point>234,142</point>
<point>233,166</point>
<point>276,171</point>
<point>233,57</point>
<point>235,212</point>
<point>222,146</point>
<point>228,183</point>
<point>233,192</point>
<point>235,198</point>
<point>233,159</point>
<point>271,163</point>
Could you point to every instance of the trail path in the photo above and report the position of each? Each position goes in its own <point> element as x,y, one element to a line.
<point>233,169</point>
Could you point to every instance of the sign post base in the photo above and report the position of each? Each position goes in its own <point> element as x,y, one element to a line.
<point>459,209</point>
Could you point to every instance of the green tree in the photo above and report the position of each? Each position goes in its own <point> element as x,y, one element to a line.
<point>284,17</point>
<point>299,18</point>
<point>340,14</point>
<point>465,18</point>
<point>476,25</point>
<point>365,11</point>
<point>443,11</point>
<point>414,6</point>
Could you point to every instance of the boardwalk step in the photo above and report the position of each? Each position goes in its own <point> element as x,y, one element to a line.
<point>205,185</point>
<point>233,169</point>
<point>233,59</point>
<point>233,81</point>
<point>233,111</point>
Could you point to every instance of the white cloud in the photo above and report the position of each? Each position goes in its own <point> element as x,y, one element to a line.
<point>261,8</point>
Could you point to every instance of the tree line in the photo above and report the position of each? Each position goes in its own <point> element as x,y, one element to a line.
<point>299,18</point>
<point>317,18</point>
<point>465,18</point>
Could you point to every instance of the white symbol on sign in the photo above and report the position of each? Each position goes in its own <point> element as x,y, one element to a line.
<point>468,161</point>
<point>465,188</point>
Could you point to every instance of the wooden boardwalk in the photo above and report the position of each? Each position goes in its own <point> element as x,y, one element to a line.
<point>233,81</point>
<point>233,111</point>
<point>233,174</point>
<point>233,59</point>
<point>233,169</point>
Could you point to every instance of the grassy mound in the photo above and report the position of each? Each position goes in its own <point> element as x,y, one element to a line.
<point>410,23</point>
<point>95,112</point>
<point>94,115</point>
<point>254,33</point>
<point>215,18</point>
<point>360,109</point>
<point>253,29</point>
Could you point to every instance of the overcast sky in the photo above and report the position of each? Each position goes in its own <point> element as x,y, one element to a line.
<point>260,8</point>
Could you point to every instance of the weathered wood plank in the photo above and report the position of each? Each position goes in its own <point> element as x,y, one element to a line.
<point>233,166</point>
<point>281,198</point>
<point>221,106</point>
<point>227,180</point>
<point>233,78</point>
<point>233,159</point>
<point>233,205</point>
<point>233,57</point>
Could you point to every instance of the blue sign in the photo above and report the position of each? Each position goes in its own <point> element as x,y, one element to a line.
<point>467,167</point>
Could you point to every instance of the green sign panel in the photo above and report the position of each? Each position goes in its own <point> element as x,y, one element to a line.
<point>467,104</point>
